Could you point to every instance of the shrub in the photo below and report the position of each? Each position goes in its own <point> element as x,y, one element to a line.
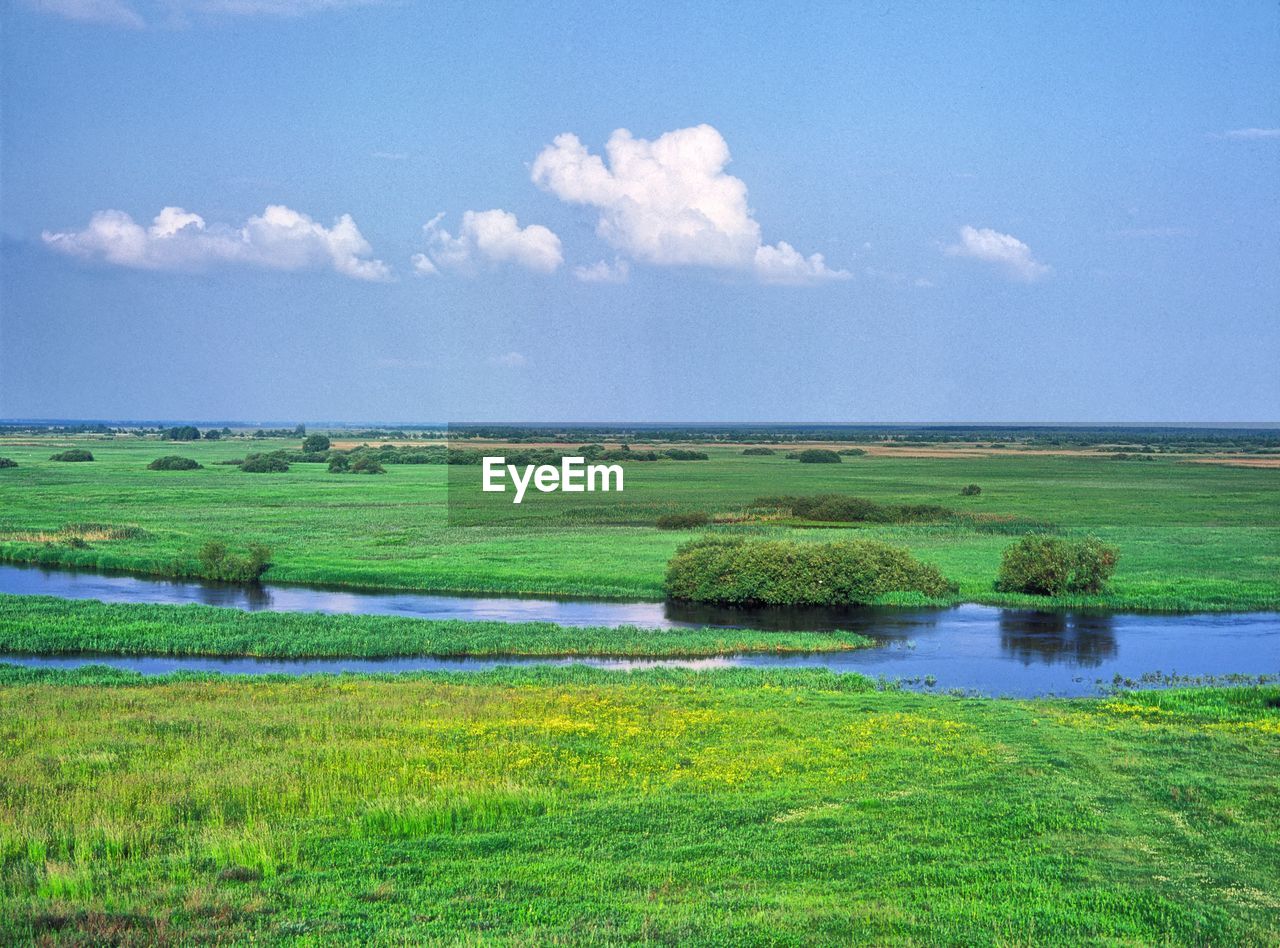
<point>172,462</point>
<point>852,452</point>
<point>970,490</point>
<point>213,434</point>
<point>817,456</point>
<point>264,464</point>
<point>1043,565</point>
<point>366,465</point>
<point>182,433</point>
<point>747,571</point>
<point>757,452</point>
<point>217,562</point>
<point>339,464</point>
<point>75,454</point>
<point>315,444</point>
<point>8,462</point>
<point>838,508</point>
<point>682,454</point>
<point>683,521</point>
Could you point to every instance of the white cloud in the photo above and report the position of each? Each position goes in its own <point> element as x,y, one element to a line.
<point>604,272</point>
<point>669,202</point>
<point>137,15</point>
<point>105,12</point>
<point>278,239</point>
<point>1004,250</point>
<point>1252,134</point>
<point>493,237</point>
<point>509,360</point>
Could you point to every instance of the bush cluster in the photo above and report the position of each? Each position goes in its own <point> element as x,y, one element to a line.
<point>217,562</point>
<point>8,462</point>
<point>757,452</point>
<point>852,452</point>
<point>355,464</point>
<point>750,571</point>
<point>173,462</point>
<point>839,508</point>
<point>264,464</point>
<point>817,456</point>
<point>970,490</point>
<point>75,454</point>
<point>1044,565</point>
<point>683,454</point>
<point>182,433</point>
<point>683,521</point>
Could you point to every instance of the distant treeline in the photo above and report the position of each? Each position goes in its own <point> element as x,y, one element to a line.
<point>1134,438</point>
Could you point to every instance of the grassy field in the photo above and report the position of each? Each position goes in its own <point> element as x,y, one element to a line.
<point>1192,536</point>
<point>575,806</point>
<point>48,625</point>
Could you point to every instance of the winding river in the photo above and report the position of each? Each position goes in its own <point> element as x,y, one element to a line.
<point>973,648</point>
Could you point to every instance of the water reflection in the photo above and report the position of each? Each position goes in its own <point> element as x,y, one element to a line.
<point>872,622</point>
<point>1077,638</point>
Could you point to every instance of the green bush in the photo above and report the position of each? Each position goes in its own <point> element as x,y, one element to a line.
<point>75,454</point>
<point>1043,565</point>
<point>682,454</point>
<point>747,571</point>
<point>757,452</point>
<point>367,465</point>
<point>182,433</point>
<point>264,464</point>
<point>217,562</point>
<point>839,508</point>
<point>340,464</point>
<point>852,452</point>
<point>315,444</point>
<point>683,521</point>
<point>173,462</point>
<point>817,456</point>
<point>8,462</point>
<point>970,490</point>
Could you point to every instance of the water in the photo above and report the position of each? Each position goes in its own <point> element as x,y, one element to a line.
<point>975,648</point>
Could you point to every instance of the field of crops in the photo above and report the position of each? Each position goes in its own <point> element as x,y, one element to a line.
<point>1191,536</point>
<point>745,807</point>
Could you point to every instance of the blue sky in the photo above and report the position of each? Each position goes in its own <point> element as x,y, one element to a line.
<point>1024,212</point>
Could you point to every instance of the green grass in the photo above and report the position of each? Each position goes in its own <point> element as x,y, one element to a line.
<point>48,625</point>
<point>566,805</point>
<point>1191,536</point>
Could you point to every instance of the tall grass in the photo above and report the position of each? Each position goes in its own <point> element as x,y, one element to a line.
<point>565,805</point>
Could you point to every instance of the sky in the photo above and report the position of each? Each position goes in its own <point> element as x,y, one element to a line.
<point>328,210</point>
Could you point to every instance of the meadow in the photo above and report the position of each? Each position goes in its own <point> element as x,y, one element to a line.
<point>1192,536</point>
<point>566,805</point>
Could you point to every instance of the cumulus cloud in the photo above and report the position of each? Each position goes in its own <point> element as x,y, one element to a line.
<point>137,15</point>
<point>278,239</point>
<point>1252,134</point>
<point>604,272</point>
<point>669,202</point>
<point>1004,250</point>
<point>492,237</point>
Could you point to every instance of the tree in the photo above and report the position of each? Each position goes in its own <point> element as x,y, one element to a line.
<point>314,444</point>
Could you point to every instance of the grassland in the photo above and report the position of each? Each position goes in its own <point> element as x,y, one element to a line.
<point>48,625</point>
<point>574,806</point>
<point>1192,536</point>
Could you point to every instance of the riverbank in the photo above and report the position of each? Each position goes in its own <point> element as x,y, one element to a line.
<point>572,805</point>
<point>43,625</point>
